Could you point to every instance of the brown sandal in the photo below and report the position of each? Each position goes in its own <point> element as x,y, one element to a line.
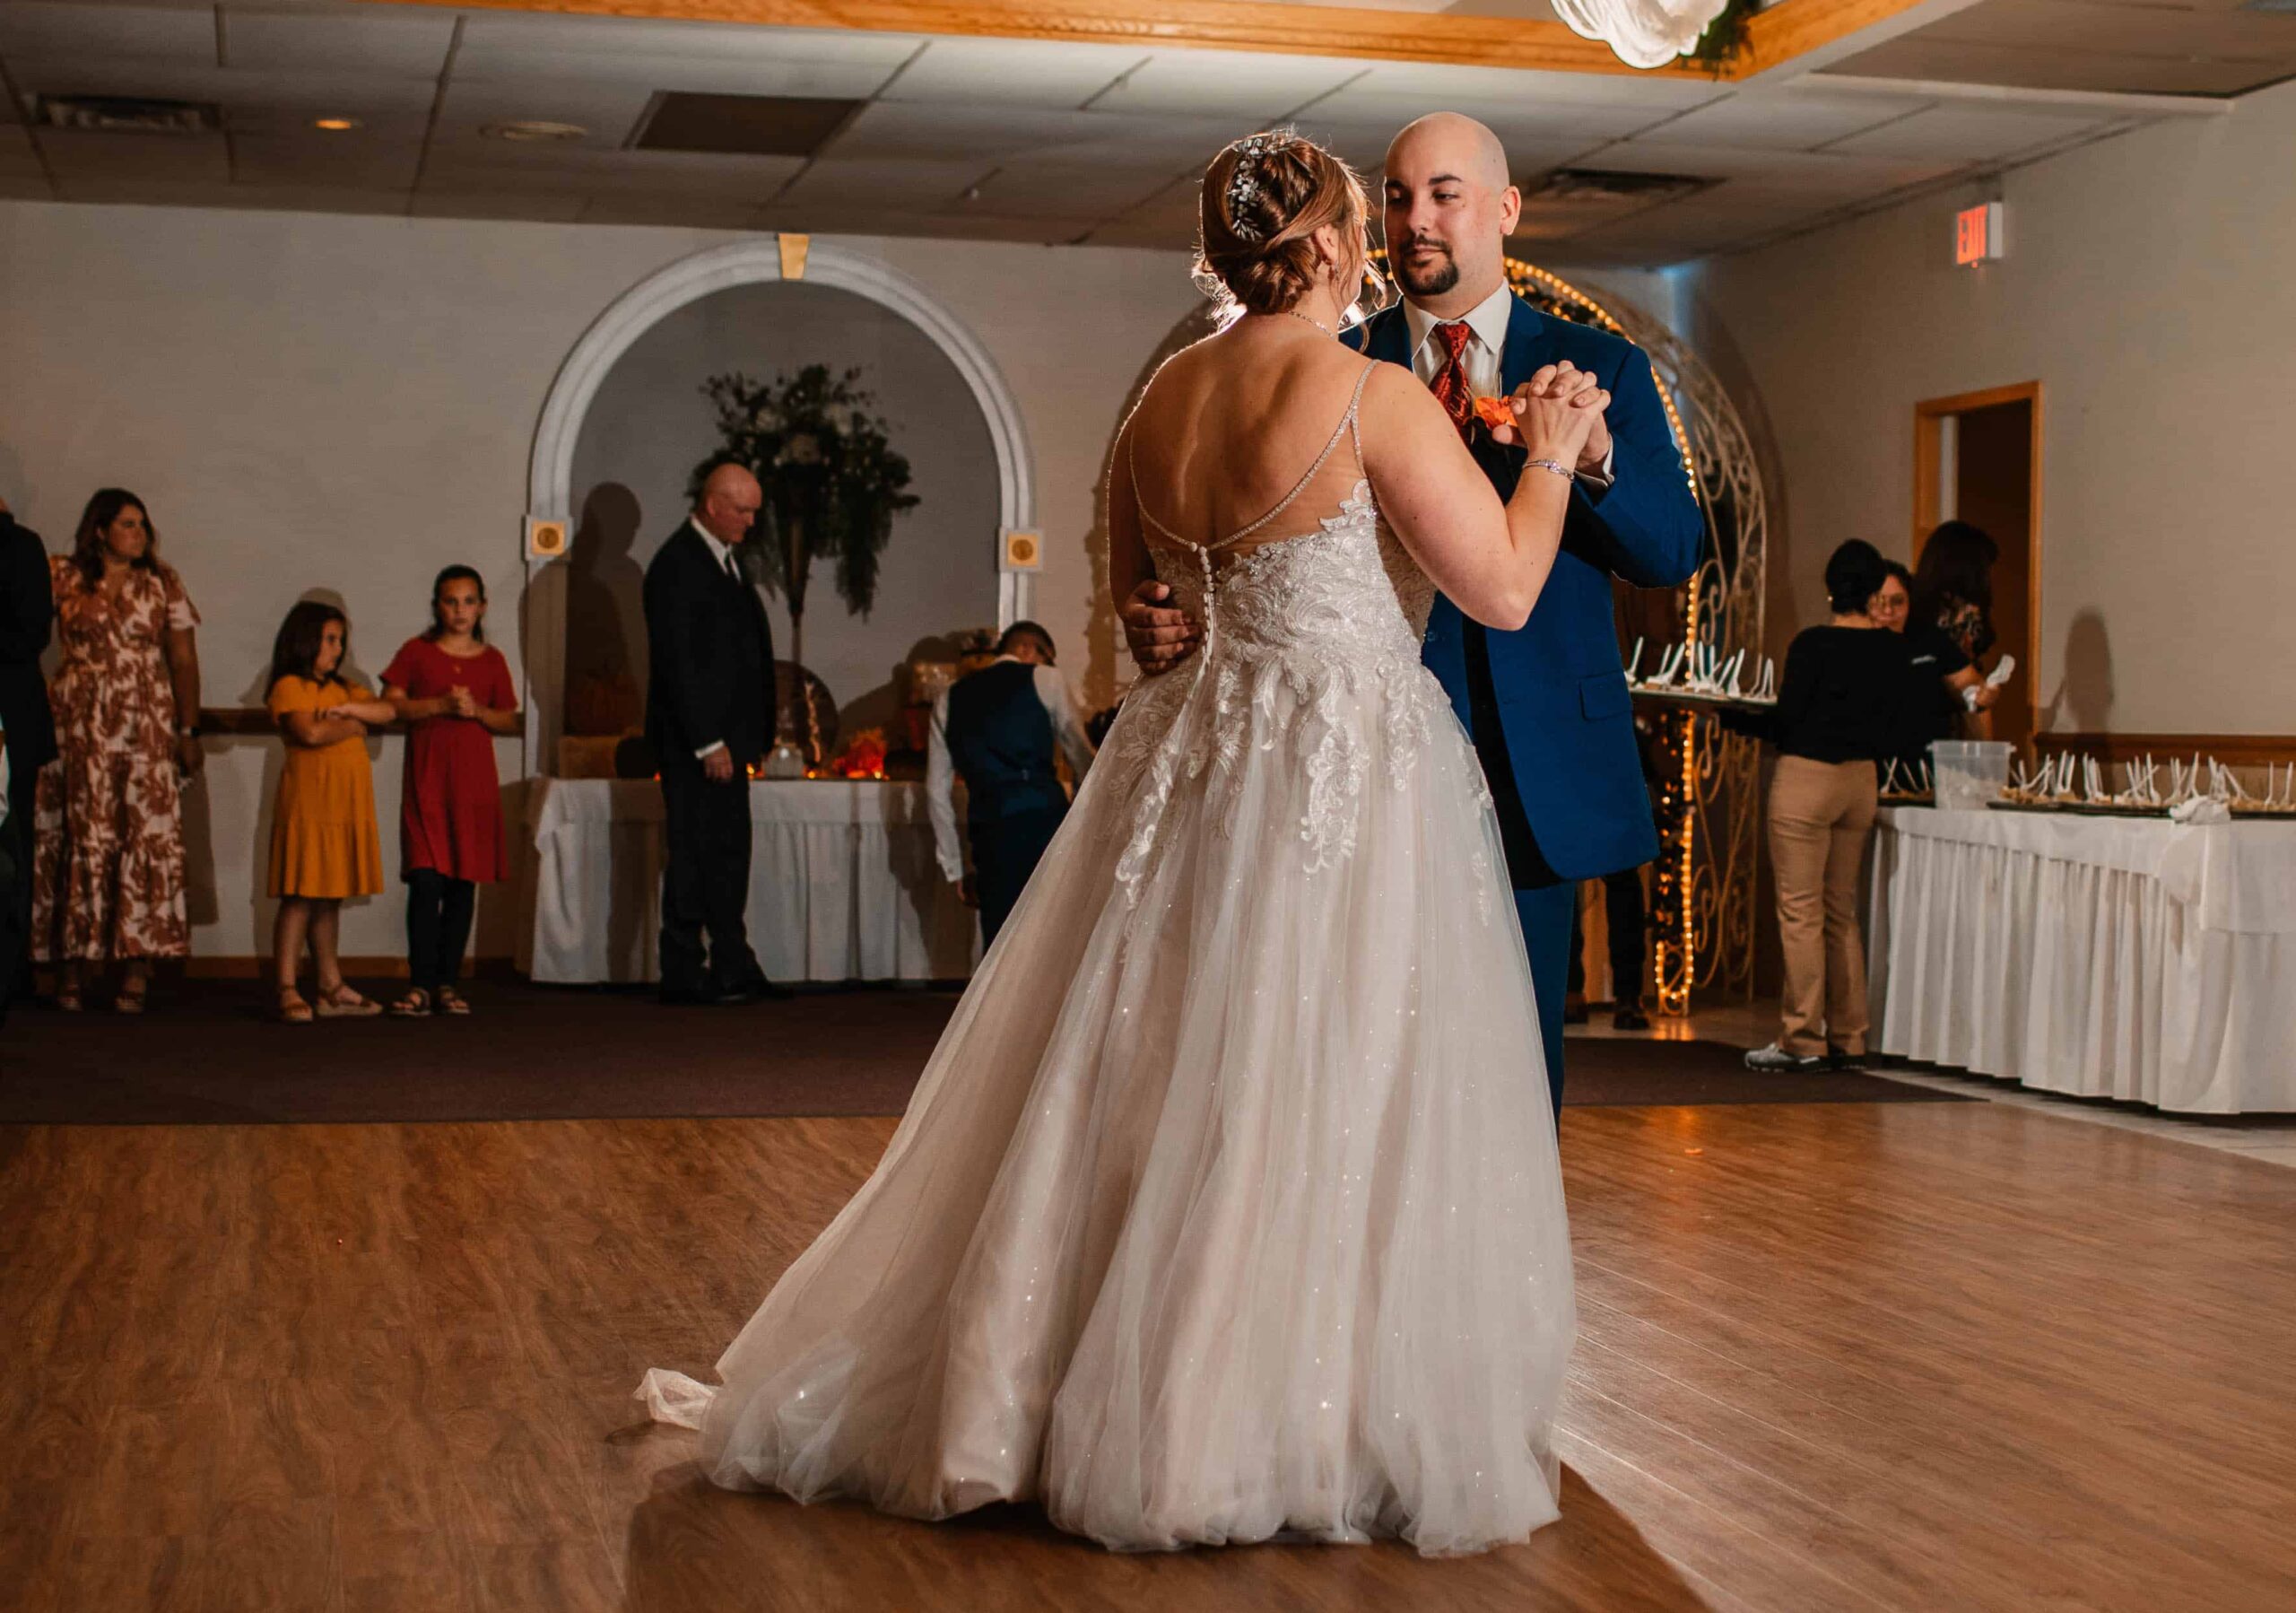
<point>450,1001</point>
<point>415,1005</point>
<point>339,1001</point>
<point>131,1002</point>
<point>292,1008</point>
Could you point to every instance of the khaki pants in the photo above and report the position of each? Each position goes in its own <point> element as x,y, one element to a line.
<point>1819,815</point>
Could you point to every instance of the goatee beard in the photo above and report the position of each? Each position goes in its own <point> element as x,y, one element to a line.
<point>1431,283</point>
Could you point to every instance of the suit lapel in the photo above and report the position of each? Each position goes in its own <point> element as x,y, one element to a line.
<point>1527,345</point>
<point>1387,336</point>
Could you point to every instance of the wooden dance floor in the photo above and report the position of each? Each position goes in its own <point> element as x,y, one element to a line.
<point>1833,1357</point>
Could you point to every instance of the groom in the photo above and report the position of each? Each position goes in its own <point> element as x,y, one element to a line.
<point>1547,705</point>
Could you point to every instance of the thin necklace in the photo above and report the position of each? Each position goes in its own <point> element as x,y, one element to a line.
<point>1319,324</point>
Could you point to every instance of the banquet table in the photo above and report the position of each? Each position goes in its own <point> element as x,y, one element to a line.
<point>843,884</point>
<point>2131,958</point>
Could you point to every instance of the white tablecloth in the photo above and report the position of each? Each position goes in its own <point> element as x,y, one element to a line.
<point>843,886</point>
<point>2108,957</point>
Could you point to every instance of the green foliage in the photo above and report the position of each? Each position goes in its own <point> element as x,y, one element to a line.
<point>1725,39</point>
<point>831,480</point>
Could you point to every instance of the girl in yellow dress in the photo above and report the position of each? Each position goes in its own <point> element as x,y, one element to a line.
<point>324,845</point>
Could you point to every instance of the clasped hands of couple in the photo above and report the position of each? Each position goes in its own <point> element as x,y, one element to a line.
<point>1558,420</point>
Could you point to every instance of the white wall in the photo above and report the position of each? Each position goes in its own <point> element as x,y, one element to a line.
<point>2151,288</point>
<point>346,403</point>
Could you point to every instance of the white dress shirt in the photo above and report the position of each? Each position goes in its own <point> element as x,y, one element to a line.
<point>1482,359</point>
<point>941,772</point>
<point>724,552</point>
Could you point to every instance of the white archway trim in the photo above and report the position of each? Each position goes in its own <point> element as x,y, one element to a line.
<point>549,490</point>
<point>549,475</point>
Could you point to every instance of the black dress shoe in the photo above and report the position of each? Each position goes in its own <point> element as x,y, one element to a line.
<point>737,996</point>
<point>681,997</point>
<point>1630,1017</point>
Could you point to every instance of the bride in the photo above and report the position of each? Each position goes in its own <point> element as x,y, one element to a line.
<point>1229,1205</point>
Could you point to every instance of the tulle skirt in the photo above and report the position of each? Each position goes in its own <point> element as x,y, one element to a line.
<point>1228,1207</point>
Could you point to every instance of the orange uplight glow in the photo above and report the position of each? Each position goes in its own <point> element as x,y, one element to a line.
<point>1977,234</point>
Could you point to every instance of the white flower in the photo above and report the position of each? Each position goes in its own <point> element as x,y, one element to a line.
<point>803,448</point>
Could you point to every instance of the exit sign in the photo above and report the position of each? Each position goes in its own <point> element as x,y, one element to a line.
<point>1977,234</point>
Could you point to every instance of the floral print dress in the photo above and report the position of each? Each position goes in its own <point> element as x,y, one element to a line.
<point>107,863</point>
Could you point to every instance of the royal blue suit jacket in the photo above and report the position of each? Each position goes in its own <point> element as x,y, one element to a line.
<point>1565,720</point>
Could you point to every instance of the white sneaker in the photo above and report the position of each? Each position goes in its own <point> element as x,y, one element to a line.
<point>1775,1060</point>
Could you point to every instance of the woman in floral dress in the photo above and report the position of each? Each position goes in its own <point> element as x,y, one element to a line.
<point>109,860</point>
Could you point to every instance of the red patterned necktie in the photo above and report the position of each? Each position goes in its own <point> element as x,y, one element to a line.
<point>1450,384</point>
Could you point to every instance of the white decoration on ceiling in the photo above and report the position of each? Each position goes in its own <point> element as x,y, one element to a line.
<point>1641,33</point>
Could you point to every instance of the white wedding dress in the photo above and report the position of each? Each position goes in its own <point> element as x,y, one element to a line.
<point>1227,1206</point>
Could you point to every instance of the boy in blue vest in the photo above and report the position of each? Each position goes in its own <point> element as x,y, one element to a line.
<point>998,729</point>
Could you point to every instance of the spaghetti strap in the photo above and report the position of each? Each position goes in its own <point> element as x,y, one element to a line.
<point>1132,469</point>
<point>1346,428</point>
<point>1354,419</point>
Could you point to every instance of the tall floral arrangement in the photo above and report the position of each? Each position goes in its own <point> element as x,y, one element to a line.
<point>831,480</point>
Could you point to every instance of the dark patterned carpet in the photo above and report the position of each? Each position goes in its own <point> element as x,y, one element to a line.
<point>205,1055</point>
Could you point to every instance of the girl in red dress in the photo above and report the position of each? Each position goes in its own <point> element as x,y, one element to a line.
<point>453,689</point>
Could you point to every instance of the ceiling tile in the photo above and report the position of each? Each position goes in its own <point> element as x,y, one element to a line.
<point>1965,132</point>
<point>2082,27</point>
<point>1943,61</point>
<point>1051,185</point>
<point>608,114</point>
<point>686,56</point>
<point>880,184</point>
<point>451,202</point>
<point>352,160</point>
<point>1829,173</point>
<point>172,159</point>
<point>270,96</point>
<point>888,131</point>
<point>1797,120</point>
<point>503,165</point>
<point>1578,126</point>
<point>408,43</point>
<point>138,33</point>
<point>1509,93</point>
<point>1232,87</point>
<point>1013,72</point>
<point>17,157</point>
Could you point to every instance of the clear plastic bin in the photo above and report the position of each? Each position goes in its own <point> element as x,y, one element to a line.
<point>1970,772</point>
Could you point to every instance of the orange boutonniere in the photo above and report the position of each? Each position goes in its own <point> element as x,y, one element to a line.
<point>1494,412</point>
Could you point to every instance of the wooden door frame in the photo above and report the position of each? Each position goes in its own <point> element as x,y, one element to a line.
<point>1928,431</point>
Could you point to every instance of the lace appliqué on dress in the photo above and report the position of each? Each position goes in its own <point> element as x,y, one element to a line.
<point>1312,643</point>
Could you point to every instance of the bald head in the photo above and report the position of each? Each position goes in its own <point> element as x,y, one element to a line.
<point>1447,210</point>
<point>730,501</point>
<point>1453,143</point>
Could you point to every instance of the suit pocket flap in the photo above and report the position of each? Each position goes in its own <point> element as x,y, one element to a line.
<point>1605,695</point>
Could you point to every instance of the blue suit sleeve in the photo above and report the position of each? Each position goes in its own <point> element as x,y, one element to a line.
<point>1650,531</point>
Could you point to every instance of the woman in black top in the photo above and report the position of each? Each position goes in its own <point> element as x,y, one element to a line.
<point>1841,705</point>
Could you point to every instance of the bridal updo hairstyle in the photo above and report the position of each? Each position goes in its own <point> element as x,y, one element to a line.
<point>1255,250</point>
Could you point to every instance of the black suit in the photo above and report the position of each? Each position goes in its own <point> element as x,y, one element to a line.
<point>710,681</point>
<point>27,617</point>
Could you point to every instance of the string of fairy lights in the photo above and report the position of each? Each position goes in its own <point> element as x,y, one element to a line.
<point>1674,877</point>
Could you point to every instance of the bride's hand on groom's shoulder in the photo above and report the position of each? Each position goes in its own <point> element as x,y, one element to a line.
<point>1160,634</point>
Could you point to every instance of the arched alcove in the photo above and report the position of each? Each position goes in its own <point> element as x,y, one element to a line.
<point>552,491</point>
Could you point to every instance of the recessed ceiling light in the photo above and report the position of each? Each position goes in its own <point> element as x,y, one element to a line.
<point>534,129</point>
<point>334,126</point>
